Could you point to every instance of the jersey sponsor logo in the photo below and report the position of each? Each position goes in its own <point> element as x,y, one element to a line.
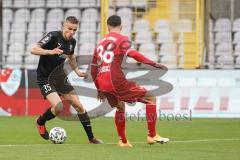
<point>11,85</point>
<point>59,45</point>
<point>46,39</point>
<point>104,69</point>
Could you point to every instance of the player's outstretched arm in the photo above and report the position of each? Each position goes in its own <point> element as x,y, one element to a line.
<point>140,58</point>
<point>38,50</point>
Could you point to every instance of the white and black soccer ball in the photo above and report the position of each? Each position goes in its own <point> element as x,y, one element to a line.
<point>57,135</point>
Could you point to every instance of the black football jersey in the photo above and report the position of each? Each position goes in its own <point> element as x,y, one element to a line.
<point>47,63</point>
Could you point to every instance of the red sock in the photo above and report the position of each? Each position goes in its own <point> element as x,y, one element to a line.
<point>151,117</point>
<point>120,125</point>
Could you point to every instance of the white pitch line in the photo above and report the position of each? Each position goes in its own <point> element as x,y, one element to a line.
<point>113,143</point>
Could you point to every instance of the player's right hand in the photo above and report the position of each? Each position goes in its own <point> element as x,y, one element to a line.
<point>101,97</point>
<point>55,51</point>
<point>160,66</point>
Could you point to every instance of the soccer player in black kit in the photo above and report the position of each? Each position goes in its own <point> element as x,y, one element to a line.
<point>54,48</point>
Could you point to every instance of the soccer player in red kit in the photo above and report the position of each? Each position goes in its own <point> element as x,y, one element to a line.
<point>111,83</point>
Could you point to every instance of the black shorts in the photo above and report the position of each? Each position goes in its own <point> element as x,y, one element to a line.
<point>59,85</point>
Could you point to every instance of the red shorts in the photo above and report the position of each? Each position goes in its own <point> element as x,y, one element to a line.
<point>131,92</point>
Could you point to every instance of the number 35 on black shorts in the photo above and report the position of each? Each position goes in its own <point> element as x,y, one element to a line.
<point>46,88</point>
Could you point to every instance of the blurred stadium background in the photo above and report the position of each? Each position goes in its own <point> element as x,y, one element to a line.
<point>179,33</point>
<point>199,40</point>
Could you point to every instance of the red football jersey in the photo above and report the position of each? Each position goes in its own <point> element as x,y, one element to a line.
<point>107,59</point>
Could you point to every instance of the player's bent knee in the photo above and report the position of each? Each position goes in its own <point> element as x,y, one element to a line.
<point>120,107</point>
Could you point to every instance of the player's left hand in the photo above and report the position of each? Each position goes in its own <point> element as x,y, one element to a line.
<point>81,74</point>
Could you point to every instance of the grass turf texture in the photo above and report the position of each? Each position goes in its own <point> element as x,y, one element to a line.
<point>19,140</point>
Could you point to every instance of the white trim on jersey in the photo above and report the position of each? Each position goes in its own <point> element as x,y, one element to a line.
<point>131,49</point>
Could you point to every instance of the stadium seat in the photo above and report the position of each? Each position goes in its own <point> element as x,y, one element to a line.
<point>4,49</point>
<point>121,3</point>
<point>238,62</point>
<point>98,27</point>
<point>7,3</point>
<point>70,3</point>
<point>223,24</point>
<point>127,25</point>
<point>225,62</point>
<point>36,27</point>
<point>181,50</point>
<point>236,38</point>
<point>210,25</point>
<point>87,37</point>
<point>143,37</point>
<point>29,47</point>
<point>20,3</point>
<point>90,14</point>
<point>237,50</point>
<point>86,26</point>
<point>17,37</point>
<point>149,50</point>
<point>211,48</point>
<point>169,60</point>
<point>6,27</point>
<point>110,11</point>
<point>165,37</point>
<point>223,37</point>
<point>34,37</point>
<point>180,37</point>
<point>211,37</point>
<point>16,49</point>
<point>54,3</point>
<point>87,3</point>
<point>125,14</point>
<point>53,26</point>
<point>73,12</point>
<point>126,33</point>
<point>55,15</point>
<point>162,26</point>
<point>224,48</point>
<point>19,27</point>
<point>31,61</point>
<point>86,49</point>
<point>7,15</point>
<point>139,4</point>
<point>236,25</point>
<point>184,25</point>
<point>38,15</point>
<point>141,25</point>
<point>36,3</point>
<point>5,37</point>
<point>14,61</point>
<point>168,49</point>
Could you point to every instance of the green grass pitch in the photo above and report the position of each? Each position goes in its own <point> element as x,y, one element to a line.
<point>200,139</point>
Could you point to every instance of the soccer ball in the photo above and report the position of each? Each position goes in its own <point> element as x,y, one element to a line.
<point>57,135</point>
